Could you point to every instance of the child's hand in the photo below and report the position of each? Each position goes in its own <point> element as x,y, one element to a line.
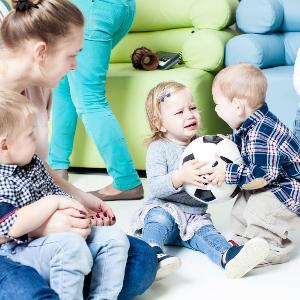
<point>217,172</point>
<point>191,173</point>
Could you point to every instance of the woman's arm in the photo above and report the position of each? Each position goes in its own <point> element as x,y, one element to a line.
<point>88,200</point>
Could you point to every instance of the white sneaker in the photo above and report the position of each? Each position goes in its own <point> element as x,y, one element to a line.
<point>167,264</point>
<point>240,260</point>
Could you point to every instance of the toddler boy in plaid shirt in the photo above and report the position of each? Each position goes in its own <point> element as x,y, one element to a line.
<point>29,197</point>
<point>269,203</point>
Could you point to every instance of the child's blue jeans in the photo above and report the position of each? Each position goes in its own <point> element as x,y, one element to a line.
<point>63,260</point>
<point>297,123</point>
<point>161,229</point>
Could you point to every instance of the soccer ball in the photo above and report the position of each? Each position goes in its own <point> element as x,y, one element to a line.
<point>4,9</point>
<point>204,149</point>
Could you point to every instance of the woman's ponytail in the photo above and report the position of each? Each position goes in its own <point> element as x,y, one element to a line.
<point>46,20</point>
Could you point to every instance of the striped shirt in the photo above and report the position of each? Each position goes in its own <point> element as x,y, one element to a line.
<point>21,186</point>
<point>270,151</point>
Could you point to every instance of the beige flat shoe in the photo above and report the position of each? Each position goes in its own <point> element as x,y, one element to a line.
<point>63,173</point>
<point>136,193</point>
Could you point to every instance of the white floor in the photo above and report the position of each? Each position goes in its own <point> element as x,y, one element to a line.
<point>198,278</point>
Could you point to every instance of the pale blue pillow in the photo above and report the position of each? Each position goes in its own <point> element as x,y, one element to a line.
<point>291,19</point>
<point>260,16</point>
<point>258,49</point>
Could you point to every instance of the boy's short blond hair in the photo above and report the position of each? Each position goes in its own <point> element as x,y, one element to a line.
<point>14,112</point>
<point>155,97</point>
<point>243,81</point>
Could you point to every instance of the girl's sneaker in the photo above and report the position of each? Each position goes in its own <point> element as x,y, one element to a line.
<point>167,264</point>
<point>239,260</point>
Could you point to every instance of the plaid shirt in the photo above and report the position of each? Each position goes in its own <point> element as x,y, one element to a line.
<point>20,186</point>
<point>269,151</point>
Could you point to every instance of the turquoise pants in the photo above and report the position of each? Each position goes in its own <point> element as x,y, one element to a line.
<point>82,92</point>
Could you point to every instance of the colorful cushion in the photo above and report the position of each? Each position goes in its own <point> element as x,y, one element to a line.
<point>161,15</point>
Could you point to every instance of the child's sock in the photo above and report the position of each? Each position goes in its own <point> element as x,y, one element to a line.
<point>167,264</point>
<point>239,260</point>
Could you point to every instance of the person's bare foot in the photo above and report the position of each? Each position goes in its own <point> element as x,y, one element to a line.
<point>110,193</point>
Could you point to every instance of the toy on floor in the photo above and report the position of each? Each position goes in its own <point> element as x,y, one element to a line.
<point>204,149</point>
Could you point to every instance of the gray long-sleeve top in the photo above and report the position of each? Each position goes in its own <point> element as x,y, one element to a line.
<point>163,157</point>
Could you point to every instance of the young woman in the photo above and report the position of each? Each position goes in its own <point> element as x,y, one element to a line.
<point>39,41</point>
<point>83,92</point>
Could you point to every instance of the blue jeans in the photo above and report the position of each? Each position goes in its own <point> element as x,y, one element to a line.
<point>22,282</point>
<point>63,260</point>
<point>83,92</point>
<point>297,124</point>
<point>161,229</point>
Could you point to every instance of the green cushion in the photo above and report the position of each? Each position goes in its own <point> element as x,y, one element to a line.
<point>204,49</point>
<point>161,14</point>
<point>213,14</point>
<point>127,89</point>
<point>165,40</point>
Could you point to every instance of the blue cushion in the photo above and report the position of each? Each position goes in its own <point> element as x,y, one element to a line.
<point>291,20</point>
<point>259,16</point>
<point>281,95</point>
<point>291,41</point>
<point>261,50</point>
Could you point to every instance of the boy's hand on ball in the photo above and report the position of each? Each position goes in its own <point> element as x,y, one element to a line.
<point>217,172</point>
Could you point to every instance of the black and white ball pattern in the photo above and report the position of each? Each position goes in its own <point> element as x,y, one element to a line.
<point>204,149</point>
<point>4,8</point>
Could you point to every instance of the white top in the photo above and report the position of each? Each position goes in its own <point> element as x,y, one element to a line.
<point>296,76</point>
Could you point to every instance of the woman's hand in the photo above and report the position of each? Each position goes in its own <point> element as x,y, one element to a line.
<point>65,202</point>
<point>100,219</point>
<point>97,206</point>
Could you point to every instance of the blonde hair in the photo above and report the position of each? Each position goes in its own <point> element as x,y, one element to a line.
<point>46,20</point>
<point>15,109</point>
<point>159,94</point>
<point>244,81</point>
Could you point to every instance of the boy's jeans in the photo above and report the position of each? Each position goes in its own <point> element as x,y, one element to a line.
<point>160,229</point>
<point>297,123</point>
<point>63,260</point>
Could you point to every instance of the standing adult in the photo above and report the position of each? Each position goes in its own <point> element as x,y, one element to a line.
<point>83,92</point>
<point>39,41</point>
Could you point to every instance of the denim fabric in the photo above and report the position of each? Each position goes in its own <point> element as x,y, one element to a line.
<point>160,229</point>
<point>83,92</point>
<point>63,260</point>
<point>297,124</point>
<point>22,282</point>
<point>140,270</point>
